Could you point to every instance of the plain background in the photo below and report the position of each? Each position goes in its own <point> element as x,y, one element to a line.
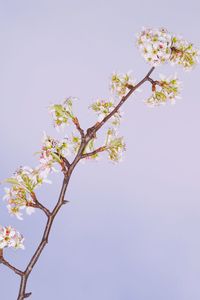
<point>130,231</point>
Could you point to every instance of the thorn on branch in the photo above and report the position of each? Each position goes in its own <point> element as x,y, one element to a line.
<point>65,201</point>
<point>27,295</point>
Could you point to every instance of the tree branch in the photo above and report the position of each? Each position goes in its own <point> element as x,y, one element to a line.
<point>91,132</point>
<point>78,127</point>
<point>7,264</point>
<point>98,150</point>
<point>39,205</point>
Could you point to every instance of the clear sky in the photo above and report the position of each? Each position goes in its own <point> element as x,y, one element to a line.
<point>130,231</point>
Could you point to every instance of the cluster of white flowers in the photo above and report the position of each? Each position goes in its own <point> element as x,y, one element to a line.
<point>155,45</point>
<point>121,83</point>
<point>184,53</point>
<point>10,237</point>
<point>104,108</point>
<point>25,180</point>
<point>167,89</point>
<point>20,195</point>
<point>62,113</point>
<point>114,145</point>
<point>158,46</point>
<point>52,152</point>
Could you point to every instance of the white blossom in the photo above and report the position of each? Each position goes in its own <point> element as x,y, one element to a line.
<point>20,195</point>
<point>184,53</point>
<point>103,108</point>
<point>121,83</point>
<point>155,45</point>
<point>115,145</point>
<point>10,237</point>
<point>158,46</point>
<point>166,89</point>
<point>62,113</point>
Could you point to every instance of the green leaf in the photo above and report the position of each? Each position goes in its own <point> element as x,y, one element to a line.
<point>56,157</point>
<point>12,181</point>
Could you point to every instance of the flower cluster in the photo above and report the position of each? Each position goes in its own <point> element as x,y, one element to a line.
<point>114,145</point>
<point>51,153</point>
<point>184,53</point>
<point>164,90</point>
<point>121,83</point>
<point>20,195</point>
<point>158,46</point>
<point>10,237</point>
<point>104,108</point>
<point>62,113</point>
<point>155,45</point>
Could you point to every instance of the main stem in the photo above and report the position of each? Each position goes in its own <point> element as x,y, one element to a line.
<point>51,216</point>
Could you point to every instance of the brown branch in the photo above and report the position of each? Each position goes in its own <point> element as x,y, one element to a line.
<point>91,132</point>
<point>66,162</point>
<point>98,150</point>
<point>78,127</point>
<point>61,201</point>
<point>7,264</point>
<point>38,204</point>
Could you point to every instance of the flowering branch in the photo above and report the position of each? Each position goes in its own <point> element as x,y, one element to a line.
<point>157,46</point>
<point>85,139</point>
<point>91,132</point>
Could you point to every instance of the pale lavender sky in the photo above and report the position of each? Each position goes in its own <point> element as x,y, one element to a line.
<point>131,231</point>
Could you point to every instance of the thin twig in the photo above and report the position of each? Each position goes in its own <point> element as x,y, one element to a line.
<point>38,204</point>
<point>78,127</point>
<point>98,150</point>
<point>7,264</point>
<point>91,132</point>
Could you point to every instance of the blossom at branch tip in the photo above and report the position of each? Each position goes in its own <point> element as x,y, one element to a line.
<point>115,145</point>
<point>155,45</point>
<point>10,237</point>
<point>159,46</point>
<point>20,195</point>
<point>121,83</point>
<point>103,108</point>
<point>166,89</point>
<point>184,53</point>
<point>62,113</point>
